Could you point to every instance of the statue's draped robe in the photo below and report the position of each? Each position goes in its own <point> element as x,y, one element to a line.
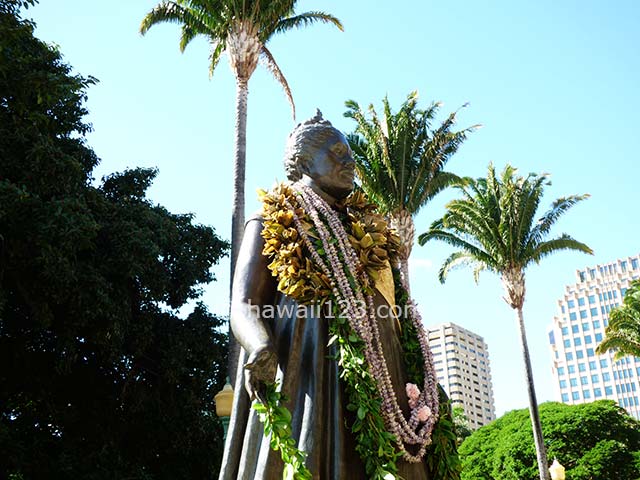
<point>309,376</point>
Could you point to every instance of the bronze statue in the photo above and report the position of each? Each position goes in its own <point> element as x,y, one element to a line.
<point>293,348</point>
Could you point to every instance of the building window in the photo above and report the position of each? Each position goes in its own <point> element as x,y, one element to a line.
<point>582,367</point>
<point>606,377</point>
<point>588,339</point>
<point>572,316</point>
<point>560,371</point>
<point>575,395</point>
<point>603,363</point>
<point>575,329</point>
<point>571,304</point>
<point>594,312</point>
<point>596,324</point>
<point>563,384</point>
<point>590,352</point>
<point>592,365</point>
<point>581,302</point>
<point>592,299</point>
<point>565,331</point>
<point>565,397</point>
<point>573,382</point>
<point>608,391</point>
<point>569,356</point>
<point>597,392</point>
<point>572,369</point>
<point>595,379</point>
<point>584,380</point>
<point>583,314</point>
<point>579,354</point>
<point>577,342</point>
<point>567,343</point>
<point>586,394</point>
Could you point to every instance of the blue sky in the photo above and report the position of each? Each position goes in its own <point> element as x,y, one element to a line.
<point>553,83</point>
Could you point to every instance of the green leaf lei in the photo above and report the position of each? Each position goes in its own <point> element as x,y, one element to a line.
<point>300,279</point>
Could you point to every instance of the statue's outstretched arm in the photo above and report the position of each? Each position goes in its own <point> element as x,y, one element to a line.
<point>253,288</point>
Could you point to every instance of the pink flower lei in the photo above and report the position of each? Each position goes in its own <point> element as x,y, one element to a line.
<point>416,430</point>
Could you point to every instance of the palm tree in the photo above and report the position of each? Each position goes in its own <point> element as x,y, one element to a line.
<point>623,332</point>
<point>400,160</point>
<point>494,226</point>
<point>241,28</point>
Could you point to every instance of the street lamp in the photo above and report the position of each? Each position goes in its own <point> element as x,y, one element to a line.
<point>224,401</point>
<point>556,470</point>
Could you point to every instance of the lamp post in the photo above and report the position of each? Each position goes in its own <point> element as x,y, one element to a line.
<point>224,401</point>
<point>556,470</point>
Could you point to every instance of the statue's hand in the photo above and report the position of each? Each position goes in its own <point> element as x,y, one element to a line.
<point>259,370</point>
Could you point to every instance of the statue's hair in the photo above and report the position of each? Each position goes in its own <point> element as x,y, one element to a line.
<point>303,140</point>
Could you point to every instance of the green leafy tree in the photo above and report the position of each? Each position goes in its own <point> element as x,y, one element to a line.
<point>461,424</point>
<point>593,441</point>
<point>494,225</point>
<point>240,28</point>
<point>99,376</point>
<point>623,332</point>
<point>400,160</point>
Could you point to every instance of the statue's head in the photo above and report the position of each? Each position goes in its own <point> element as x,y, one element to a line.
<point>320,152</point>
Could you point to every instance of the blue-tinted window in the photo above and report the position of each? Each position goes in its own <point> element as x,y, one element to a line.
<point>573,382</point>
<point>569,356</point>
<point>592,299</point>
<point>560,370</point>
<point>586,394</point>
<point>598,337</point>
<point>575,395</point>
<point>579,354</point>
<point>588,339</point>
<point>563,384</point>
<point>608,391</point>
<point>594,311</point>
<point>552,338</point>
<point>634,263</point>
<point>590,352</point>
<point>623,291</point>
<point>577,342</point>
<point>595,379</point>
<point>615,294</point>
<point>562,308</point>
<point>592,365</point>
<point>582,367</point>
<point>603,363</point>
<point>606,377</point>
<point>567,343</point>
<point>609,296</point>
<point>575,329</point>
<point>565,397</point>
<point>571,303</point>
<point>597,392</point>
<point>583,314</point>
<point>565,331</point>
<point>571,369</point>
<point>606,322</point>
<point>585,327</point>
<point>572,316</point>
<point>602,310</point>
<point>581,301</point>
<point>615,375</point>
<point>584,380</point>
<point>596,324</point>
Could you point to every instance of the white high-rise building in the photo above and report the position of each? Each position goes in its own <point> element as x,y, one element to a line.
<point>580,375</point>
<point>461,360</point>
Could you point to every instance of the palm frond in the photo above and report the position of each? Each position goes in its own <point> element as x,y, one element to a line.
<point>271,65</point>
<point>304,20</point>
<point>564,242</point>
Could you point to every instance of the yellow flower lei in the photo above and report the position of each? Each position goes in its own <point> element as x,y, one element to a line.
<point>298,276</point>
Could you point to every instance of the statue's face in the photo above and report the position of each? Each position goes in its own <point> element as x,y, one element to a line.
<point>331,167</point>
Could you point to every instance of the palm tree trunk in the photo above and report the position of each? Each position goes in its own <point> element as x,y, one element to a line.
<point>541,451</point>
<point>402,221</point>
<point>237,212</point>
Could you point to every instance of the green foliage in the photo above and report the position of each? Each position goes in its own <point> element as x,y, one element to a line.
<point>623,332</point>
<point>494,224</point>
<point>100,377</point>
<point>460,424</point>
<point>442,457</point>
<point>595,441</point>
<point>400,157</point>
<point>276,419</point>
